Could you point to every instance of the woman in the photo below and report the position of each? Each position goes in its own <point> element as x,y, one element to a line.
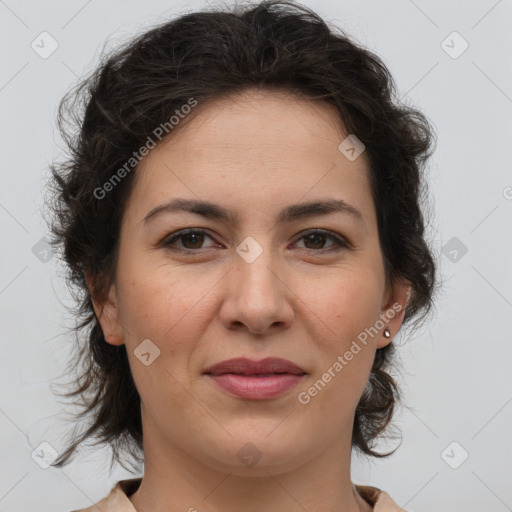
<point>241,213</point>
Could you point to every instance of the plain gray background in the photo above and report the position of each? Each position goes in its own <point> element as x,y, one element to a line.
<point>456,370</point>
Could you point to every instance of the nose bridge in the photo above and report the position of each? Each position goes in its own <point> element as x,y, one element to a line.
<point>254,266</point>
<point>256,296</point>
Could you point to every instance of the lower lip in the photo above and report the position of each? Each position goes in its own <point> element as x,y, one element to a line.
<point>256,388</point>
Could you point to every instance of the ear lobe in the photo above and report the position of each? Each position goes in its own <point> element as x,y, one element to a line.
<point>107,313</point>
<point>393,312</point>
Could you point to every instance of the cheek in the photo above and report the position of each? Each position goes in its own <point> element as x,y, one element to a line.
<point>160,307</point>
<point>345,307</point>
<point>158,303</point>
<point>346,301</point>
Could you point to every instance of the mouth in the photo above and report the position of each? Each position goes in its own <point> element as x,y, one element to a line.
<point>256,380</point>
<point>262,368</point>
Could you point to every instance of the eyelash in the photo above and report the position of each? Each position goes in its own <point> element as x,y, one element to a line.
<point>340,243</point>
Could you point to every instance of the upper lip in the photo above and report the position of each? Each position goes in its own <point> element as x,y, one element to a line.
<point>244,366</point>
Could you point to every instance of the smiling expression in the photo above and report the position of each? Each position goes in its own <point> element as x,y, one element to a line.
<point>251,176</point>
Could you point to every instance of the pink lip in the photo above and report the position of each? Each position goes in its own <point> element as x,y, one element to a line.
<point>256,388</point>
<point>256,380</point>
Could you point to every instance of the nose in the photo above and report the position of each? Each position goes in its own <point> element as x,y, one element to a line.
<point>257,296</point>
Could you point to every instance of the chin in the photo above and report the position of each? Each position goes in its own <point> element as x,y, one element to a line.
<point>257,451</point>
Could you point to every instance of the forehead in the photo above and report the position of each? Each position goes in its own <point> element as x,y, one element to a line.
<point>259,143</point>
<point>257,120</point>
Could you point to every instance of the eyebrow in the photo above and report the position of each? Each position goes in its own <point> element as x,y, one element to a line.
<point>287,214</point>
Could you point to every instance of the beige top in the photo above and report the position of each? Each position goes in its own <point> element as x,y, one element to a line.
<point>117,500</point>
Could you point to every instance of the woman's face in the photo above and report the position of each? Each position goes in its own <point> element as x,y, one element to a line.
<point>253,285</point>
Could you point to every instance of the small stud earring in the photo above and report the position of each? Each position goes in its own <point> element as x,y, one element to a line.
<point>386,333</point>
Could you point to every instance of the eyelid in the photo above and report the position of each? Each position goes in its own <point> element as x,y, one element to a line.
<point>167,241</point>
<point>340,241</point>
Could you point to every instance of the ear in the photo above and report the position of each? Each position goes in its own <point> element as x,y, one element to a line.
<point>107,314</point>
<point>393,310</point>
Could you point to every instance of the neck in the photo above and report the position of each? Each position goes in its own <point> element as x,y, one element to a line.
<point>175,481</point>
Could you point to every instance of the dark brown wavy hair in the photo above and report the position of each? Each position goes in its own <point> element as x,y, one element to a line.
<point>107,116</point>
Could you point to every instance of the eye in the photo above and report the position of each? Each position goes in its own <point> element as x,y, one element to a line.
<point>317,237</point>
<point>193,239</point>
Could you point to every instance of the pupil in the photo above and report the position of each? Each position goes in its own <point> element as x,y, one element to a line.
<point>318,240</point>
<point>316,236</point>
<point>189,235</point>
